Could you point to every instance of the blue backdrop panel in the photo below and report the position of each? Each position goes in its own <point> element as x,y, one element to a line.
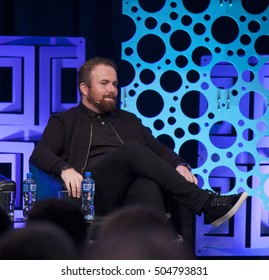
<point>198,78</point>
<point>37,78</point>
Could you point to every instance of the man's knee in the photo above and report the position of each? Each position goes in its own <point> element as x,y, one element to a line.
<point>145,186</point>
<point>132,147</point>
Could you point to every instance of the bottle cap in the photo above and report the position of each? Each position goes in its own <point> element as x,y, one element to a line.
<point>87,174</point>
<point>29,175</point>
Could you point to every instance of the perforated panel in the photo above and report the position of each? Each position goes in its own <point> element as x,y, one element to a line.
<point>200,83</point>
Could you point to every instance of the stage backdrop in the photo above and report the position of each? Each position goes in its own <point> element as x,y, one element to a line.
<point>197,76</point>
<point>195,72</point>
<point>37,78</point>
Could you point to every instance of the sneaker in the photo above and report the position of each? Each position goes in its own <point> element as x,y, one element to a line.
<point>221,208</point>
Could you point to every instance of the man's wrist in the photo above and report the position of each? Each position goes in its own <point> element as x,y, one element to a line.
<point>185,164</point>
<point>65,168</point>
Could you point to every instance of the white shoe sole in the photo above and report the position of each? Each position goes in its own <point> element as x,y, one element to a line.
<point>232,211</point>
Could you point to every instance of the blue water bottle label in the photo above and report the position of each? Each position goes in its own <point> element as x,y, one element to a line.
<point>32,187</point>
<point>86,187</point>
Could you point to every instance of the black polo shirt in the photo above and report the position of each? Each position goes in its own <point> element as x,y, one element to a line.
<point>104,139</point>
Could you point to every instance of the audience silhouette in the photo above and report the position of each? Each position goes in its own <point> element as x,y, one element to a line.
<point>38,241</point>
<point>56,230</point>
<point>138,233</point>
<point>65,214</point>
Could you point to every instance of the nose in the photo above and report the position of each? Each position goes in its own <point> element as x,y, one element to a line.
<point>113,89</point>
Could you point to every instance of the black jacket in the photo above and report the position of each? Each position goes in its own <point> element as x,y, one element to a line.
<point>66,139</point>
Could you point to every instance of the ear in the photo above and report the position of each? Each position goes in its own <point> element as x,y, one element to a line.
<point>83,88</point>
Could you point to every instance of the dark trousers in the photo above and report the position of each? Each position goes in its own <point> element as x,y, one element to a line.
<point>133,173</point>
<point>146,192</point>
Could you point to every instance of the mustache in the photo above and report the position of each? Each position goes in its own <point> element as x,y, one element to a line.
<point>109,96</point>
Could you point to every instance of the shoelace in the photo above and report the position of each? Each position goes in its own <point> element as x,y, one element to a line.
<point>222,200</point>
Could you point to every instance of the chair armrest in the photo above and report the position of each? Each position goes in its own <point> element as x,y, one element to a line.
<point>7,184</point>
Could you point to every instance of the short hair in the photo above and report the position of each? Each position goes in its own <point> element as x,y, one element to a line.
<point>85,70</point>
<point>64,213</point>
<point>37,241</point>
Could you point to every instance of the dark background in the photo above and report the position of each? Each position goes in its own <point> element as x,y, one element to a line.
<point>98,21</point>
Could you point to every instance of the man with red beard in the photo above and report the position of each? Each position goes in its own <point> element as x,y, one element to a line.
<point>129,165</point>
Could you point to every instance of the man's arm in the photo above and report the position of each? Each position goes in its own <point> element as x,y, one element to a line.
<point>46,156</point>
<point>170,156</point>
<point>46,153</point>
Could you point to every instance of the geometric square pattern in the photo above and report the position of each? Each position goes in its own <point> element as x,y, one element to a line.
<point>31,92</point>
<point>247,234</point>
<point>259,220</point>
<point>21,60</point>
<point>52,60</point>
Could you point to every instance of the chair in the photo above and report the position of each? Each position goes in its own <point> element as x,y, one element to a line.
<point>49,186</point>
<point>52,183</point>
<point>7,195</point>
<point>7,184</point>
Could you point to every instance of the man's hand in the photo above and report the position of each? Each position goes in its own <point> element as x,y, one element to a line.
<point>72,180</point>
<point>186,173</point>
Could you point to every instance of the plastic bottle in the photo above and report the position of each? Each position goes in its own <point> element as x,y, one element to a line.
<point>88,191</point>
<point>29,194</point>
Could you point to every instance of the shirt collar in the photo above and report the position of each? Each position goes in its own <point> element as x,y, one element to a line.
<point>91,113</point>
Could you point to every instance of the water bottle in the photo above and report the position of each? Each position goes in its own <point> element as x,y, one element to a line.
<point>29,194</point>
<point>88,191</point>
